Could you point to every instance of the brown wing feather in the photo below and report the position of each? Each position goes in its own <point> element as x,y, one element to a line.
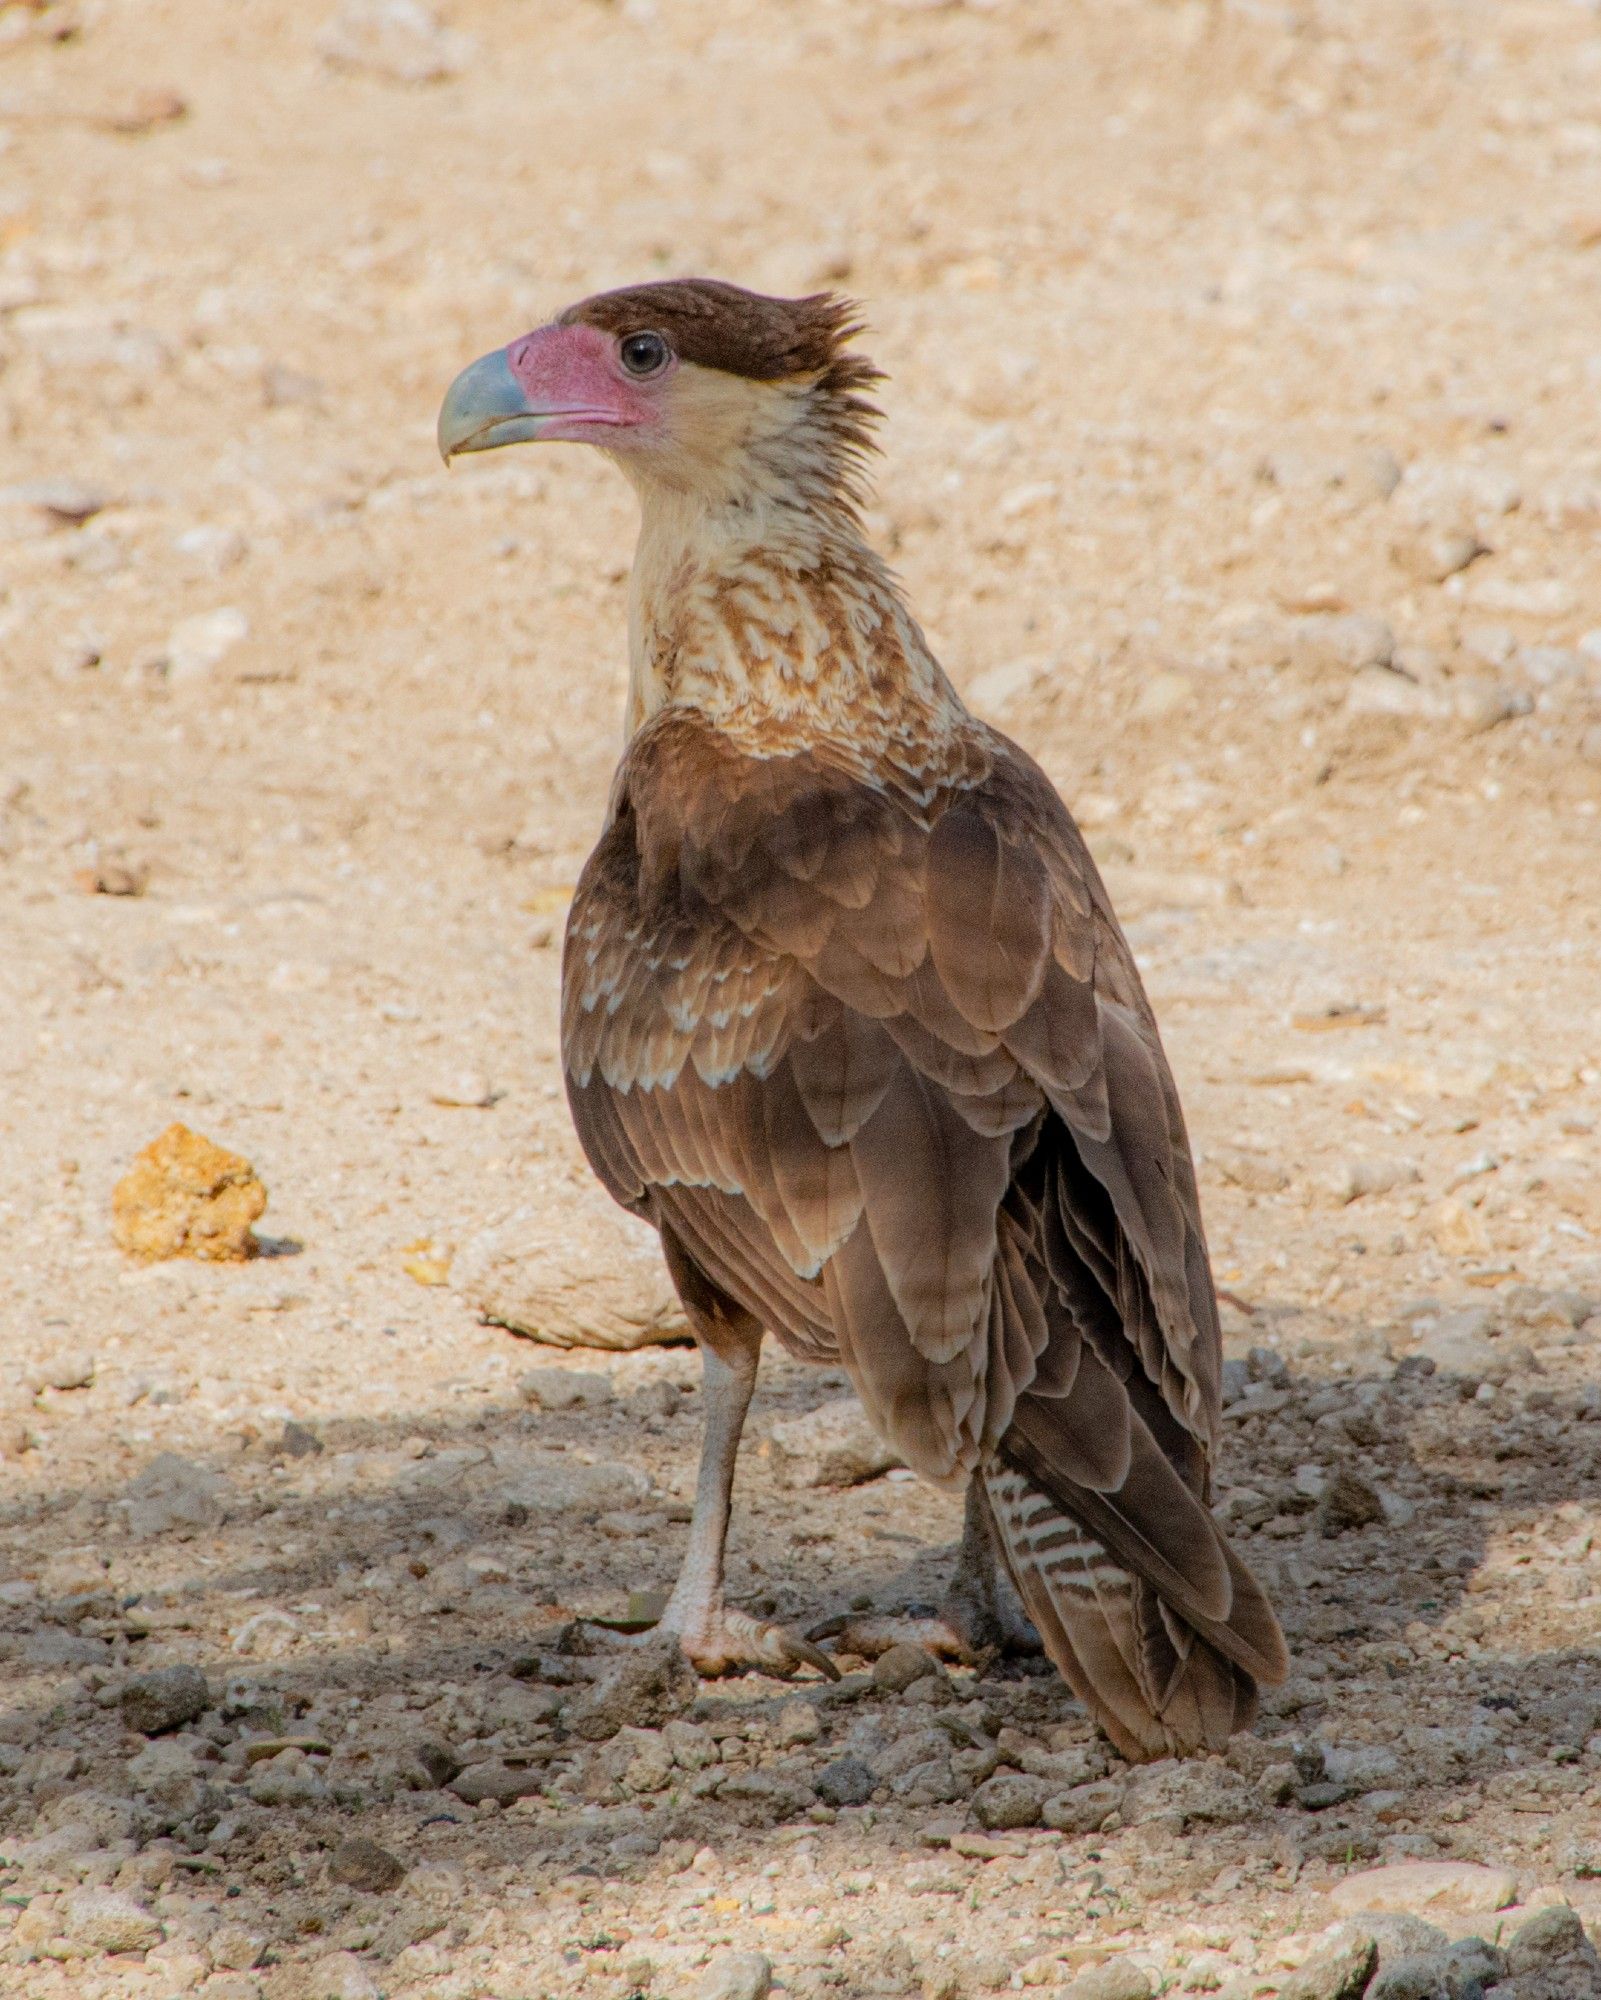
<point>882,1063</point>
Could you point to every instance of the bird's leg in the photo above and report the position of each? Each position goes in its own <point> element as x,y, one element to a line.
<point>979,1613</point>
<point>715,1638</point>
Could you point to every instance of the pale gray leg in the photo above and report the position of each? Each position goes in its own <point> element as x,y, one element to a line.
<point>715,1638</point>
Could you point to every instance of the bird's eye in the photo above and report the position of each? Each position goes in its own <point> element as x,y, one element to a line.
<point>645,354</point>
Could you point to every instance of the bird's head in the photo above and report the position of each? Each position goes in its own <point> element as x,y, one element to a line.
<point>691,385</point>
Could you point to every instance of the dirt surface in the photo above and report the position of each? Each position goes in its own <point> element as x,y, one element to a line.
<point>1243,461</point>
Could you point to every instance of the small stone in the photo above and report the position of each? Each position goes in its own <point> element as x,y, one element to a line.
<point>1008,1800</point>
<point>360,1863</point>
<point>185,1197</point>
<point>1341,1974</point>
<point>163,1699</point>
<point>232,1948</point>
<point>563,1388</point>
<point>1084,1809</point>
<point>337,1975</point>
<point>693,1747</point>
<point>1433,554</point>
<point>299,1440</point>
<point>1194,1793</point>
<point>798,1722</point>
<point>764,1798</point>
<point>400,40</point>
<point>174,1496</point>
<point>650,1684</point>
<point>1343,642</point>
<point>833,1445</point>
<point>597,1282</point>
<point>1258,1173</point>
<point>1549,1937</point>
<point>1358,1178</point>
<point>640,1760</point>
<point>436,1760</point>
<point>106,1921</point>
<point>1164,695</point>
<point>1365,1766</point>
<point>195,646</point>
<point>498,1781</point>
<point>1321,1796</point>
<point>1117,1978</point>
<point>1480,704</point>
<point>845,1782</point>
<point>465,1089</point>
<point>111,875</point>
<point>69,1373</point>
<point>902,1667</point>
<point>1410,1887</point>
<point>736,1975</point>
<point>1348,1502</point>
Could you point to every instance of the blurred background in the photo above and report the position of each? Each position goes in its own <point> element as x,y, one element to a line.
<point>1242,459</point>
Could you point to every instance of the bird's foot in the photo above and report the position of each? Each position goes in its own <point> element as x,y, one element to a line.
<point>722,1641</point>
<point>958,1631</point>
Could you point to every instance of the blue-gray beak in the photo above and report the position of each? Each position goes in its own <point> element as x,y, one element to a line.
<point>486,406</point>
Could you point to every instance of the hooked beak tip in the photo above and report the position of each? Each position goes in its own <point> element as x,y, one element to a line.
<point>486,406</point>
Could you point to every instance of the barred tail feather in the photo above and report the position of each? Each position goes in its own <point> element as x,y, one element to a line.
<point>1155,1684</point>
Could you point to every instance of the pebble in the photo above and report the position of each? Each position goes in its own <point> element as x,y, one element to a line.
<point>360,1863</point>
<point>338,1975</point>
<point>1433,555</point>
<point>1008,1801</point>
<point>1481,704</point>
<point>163,1699</point>
<point>564,1388</point>
<point>299,1440</point>
<point>736,1975</point>
<point>845,1782</point>
<point>1340,1974</point>
<point>798,1722</point>
<point>196,646</point>
<point>498,1781</point>
<point>1189,1793</point>
<point>1356,1178</point>
<point>464,1089</point>
<point>233,1948</point>
<point>1343,642</point>
<point>1084,1809</point>
<point>833,1445</point>
<point>1549,1937</point>
<point>902,1667</point>
<point>1348,1502</point>
<point>650,1684</point>
<point>400,40</point>
<point>106,1920</point>
<point>1411,1886</point>
<point>1119,1978</point>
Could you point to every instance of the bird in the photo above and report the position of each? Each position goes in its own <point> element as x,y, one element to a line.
<point>847,1016</point>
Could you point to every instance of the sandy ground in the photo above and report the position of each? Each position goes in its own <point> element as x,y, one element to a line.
<point>1243,460</point>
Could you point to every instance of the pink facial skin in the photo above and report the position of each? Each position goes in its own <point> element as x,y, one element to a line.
<point>576,384</point>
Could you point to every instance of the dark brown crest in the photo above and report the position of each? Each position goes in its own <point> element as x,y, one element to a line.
<point>716,325</point>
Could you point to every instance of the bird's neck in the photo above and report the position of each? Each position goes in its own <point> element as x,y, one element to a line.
<point>782,627</point>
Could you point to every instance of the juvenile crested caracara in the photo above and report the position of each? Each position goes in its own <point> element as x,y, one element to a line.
<point>847,1016</point>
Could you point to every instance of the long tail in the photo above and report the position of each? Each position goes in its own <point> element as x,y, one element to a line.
<point>1160,1683</point>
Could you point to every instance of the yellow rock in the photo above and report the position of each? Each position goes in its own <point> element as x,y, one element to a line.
<point>185,1197</point>
<point>427,1262</point>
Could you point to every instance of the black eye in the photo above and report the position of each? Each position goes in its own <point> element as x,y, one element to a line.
<point>645,353</point>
